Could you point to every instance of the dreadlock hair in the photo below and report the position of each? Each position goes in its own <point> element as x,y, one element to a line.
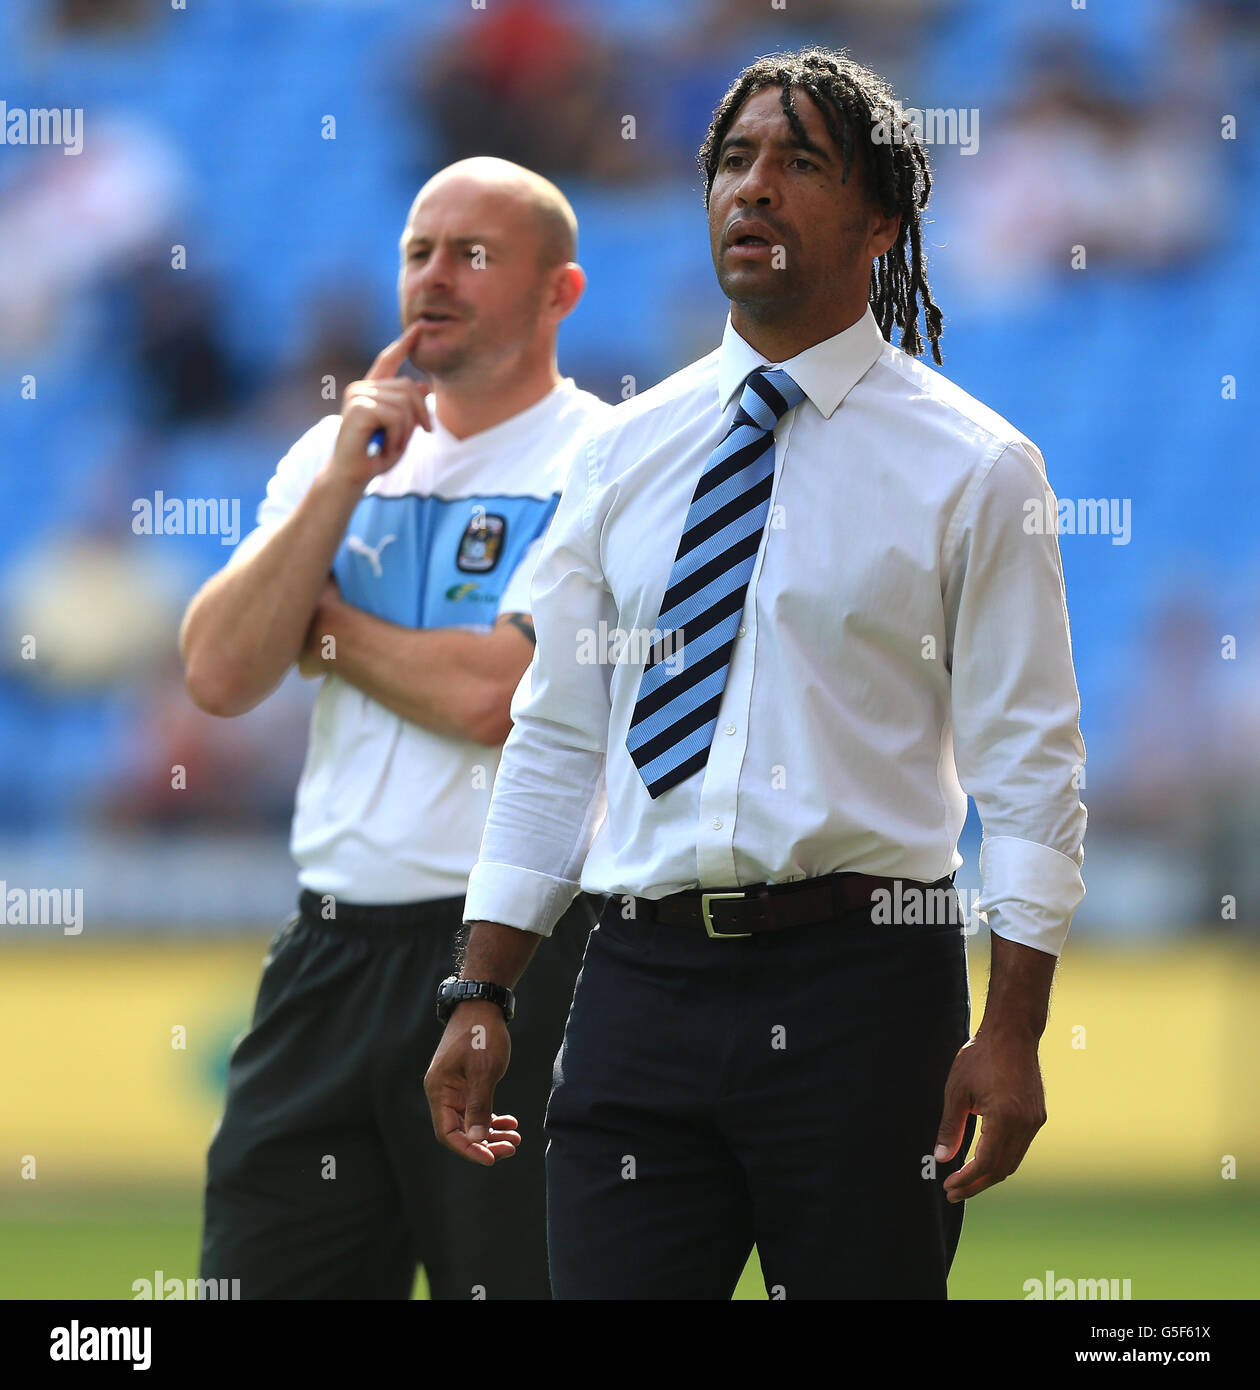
<point>853,99</point>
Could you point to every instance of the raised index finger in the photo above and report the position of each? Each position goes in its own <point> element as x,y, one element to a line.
<point>391,358</point>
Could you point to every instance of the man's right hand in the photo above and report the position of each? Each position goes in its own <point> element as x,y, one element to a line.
<point>382,400</point>
<point>469,1063</point>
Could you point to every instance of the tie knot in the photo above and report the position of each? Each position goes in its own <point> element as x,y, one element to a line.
<point>768,394</point>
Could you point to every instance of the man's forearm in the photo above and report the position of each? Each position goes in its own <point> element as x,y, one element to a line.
<point>246,627</point>
<point>1018,1001</point>
<point>453,682</point>
<point>497,953</point>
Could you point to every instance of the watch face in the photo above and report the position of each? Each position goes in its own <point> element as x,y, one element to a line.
<point>446,997</point>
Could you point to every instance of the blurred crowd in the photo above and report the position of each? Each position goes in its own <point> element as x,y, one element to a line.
<point>1100,131</point>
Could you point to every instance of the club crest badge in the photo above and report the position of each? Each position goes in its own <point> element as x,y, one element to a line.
<point>481,544</point>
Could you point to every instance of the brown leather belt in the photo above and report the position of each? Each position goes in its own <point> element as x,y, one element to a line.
<point>763,907</point>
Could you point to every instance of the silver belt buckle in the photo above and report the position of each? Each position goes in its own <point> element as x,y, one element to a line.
<point>705,900</point>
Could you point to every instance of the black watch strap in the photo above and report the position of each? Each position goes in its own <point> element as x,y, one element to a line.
<point>453,991</point>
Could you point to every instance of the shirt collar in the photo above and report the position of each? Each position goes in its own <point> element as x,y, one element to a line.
<point>561,392</point>
<point>826,372</point>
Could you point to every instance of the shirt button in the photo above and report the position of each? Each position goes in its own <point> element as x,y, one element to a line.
<point>717,824</point>
<point>741,631</point>
<point>730,729</point>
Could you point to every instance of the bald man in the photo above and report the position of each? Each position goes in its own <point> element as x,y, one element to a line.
<point>400,579</point>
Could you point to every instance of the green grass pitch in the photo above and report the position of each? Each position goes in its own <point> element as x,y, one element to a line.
<point>1171,1245</point>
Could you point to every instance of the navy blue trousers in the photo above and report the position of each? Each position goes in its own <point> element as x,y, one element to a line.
<point>782,1089</point>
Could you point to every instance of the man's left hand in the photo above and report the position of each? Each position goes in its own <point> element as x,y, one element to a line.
<point>998,1078</point>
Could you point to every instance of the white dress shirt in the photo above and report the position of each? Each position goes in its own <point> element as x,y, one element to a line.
<point>904,642</point>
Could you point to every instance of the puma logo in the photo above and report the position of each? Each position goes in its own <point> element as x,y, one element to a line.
<point>371,553</point>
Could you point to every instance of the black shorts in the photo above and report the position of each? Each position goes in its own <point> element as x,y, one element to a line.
<point>324,1176</point>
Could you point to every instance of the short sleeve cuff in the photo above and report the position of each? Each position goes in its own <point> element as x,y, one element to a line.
<point>518,898</point>
<point>1029,892</point>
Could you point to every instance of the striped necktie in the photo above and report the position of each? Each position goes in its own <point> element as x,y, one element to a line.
<point>676,712</point>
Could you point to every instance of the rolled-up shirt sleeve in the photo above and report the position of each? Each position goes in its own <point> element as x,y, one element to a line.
<point>548,794</point>
<point>1016,710</point>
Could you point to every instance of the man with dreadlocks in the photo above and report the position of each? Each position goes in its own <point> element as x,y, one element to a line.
<point>830,624</point>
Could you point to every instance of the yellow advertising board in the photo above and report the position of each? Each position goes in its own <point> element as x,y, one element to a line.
<point>116,1056</point>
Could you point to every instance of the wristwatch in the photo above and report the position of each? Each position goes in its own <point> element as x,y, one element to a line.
<point>454,991</point>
